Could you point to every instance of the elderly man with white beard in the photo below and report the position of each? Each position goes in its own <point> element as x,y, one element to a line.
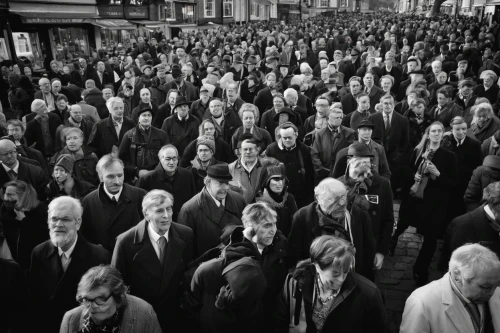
<point>58,264</point>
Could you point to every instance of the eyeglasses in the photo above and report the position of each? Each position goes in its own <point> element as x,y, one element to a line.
<point>170,159</point>
<point>64,220</point>
<point>101,300</point>
<point>12,152</point>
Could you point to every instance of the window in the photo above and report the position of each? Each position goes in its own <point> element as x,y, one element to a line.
<point>255,9</point>
<point>209,8</point>
<point>324,3</point>
<point>188,14</point>
<point>167,12</point>
<point>228,8</point>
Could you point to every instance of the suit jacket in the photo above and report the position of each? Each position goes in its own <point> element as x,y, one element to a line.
<point>40,95</point>
<point>156,283</point>
<point>127,213</point>
<point>34,134</point>
<point>293,58</point>
<point>402,90</point>
<point>30,174</point>
<point>491,94</point>
<point>53,291</point>
<point>105,80</point>
<point>103,136</point>
<point>323,154</point>
<point>436,308</point>
<point>396,141</point>
<point>450,111</point>
<point>264,101</point>
<point>90,111</point>
<point>349,103</point>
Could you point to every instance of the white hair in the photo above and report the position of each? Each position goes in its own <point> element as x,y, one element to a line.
<point>43,80</point>
<point>305,67</point>
<point>488,72</point>
<point>113,100</point>
<point>471,259</point>
<point>73,204</point>
<point>290,92</point>
<point>329,188</point>
<point>37,103</point>
<point>297,79</point>
<point>435,62</point>
<point>483,107</point>
<point>156,198</point>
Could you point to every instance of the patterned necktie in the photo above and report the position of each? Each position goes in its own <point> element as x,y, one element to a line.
<point>438,111</point>
<point>221,206</point>
<point>387,123</point>
<point>162,242</point>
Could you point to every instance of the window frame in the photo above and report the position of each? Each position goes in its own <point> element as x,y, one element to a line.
<point>228,2</point>
<point>205,10</point>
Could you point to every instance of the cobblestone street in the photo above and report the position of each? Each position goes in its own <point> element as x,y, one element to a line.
<point>395,279</point>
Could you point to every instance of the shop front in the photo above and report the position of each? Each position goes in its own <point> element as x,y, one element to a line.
<point>288,10</point>
<point>6,42</point>
<point>42,32</point>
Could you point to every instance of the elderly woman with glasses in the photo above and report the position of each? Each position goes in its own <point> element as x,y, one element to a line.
<point>328,296</point>
<point>106,306</point>
<point>485,123</point>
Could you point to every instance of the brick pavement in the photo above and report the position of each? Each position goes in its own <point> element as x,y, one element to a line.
<point>395,279</point>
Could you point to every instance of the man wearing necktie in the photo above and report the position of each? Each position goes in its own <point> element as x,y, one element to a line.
<point>58,264</point>
<point>152,257</point>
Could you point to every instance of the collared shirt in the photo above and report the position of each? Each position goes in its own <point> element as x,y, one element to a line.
<point>49,100</point>
<point>460,142</point>
<point>488,212</point>
<point>116,196</point>
<point>486,89</point>
<point>468,303</point>
<point>15,168</point>
<point>388,115</point>
<point>67,254</point>
<point>217,202</point>
<point>100,76</point>
<point>249,168</point>
<point>118,126</point>
<point>219,120</point>
<point>154,238</point>
<point>185,119</point>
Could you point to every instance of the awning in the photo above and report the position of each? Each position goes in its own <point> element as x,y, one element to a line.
<point>112,24</point>
<point>149,24</point>
<point>449,3</point>
<point>52,11</point>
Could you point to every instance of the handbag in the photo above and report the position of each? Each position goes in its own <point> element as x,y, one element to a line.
<point>297,323</point>
<point>418,188</point>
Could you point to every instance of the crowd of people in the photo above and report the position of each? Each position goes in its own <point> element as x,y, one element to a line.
<point>243,179</point>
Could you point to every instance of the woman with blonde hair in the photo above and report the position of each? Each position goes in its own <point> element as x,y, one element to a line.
<point>425,204</point>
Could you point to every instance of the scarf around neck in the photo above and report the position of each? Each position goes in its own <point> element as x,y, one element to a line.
<point>112,326</point>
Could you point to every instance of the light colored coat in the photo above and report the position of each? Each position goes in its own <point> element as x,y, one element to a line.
<point>139,316</point>
<point>435,308</point>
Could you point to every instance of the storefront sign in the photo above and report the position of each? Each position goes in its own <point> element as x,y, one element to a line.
<point>136,12</point>
<point>288,2</point>
<point>50,20</point>
<point>110,11</point>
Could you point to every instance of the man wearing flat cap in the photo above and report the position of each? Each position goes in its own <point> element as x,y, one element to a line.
<point>211,210</point>
<point>201,106</point>
<point>372,193</point>
<point>181,127</point>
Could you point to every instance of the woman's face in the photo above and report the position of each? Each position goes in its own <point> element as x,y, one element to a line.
<point>386,85</point>
<point>331,278</point>
<point>488,81</point>
<point>277,184</point>
<point>436,133</point>
<point>61,104</point>
<point>66,70</point>
<point>278,103</point>
<point>27,71</point>
<point>442,77</point>
<point>209,129</point>
<point>10,195</point>
<point>60,175</point>
<point>101,313</point>
<point>74,141</point>
<point>54,67</point>
<point>442,99</point>
<point>482,117</point>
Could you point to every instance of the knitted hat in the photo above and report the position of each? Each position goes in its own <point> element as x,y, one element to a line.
<point>207,141</point>
<point>65,161</point>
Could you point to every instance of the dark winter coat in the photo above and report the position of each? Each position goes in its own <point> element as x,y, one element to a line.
<point>202,215</point>
<point>84,168</point>
<point>79,190</point>
<point>95,99</point>
<point>103,136</point>
<point>484,175</point>
<point>181,133</point>
<point>181,186</point>
<point>305,228</point>
<point>34,135</point>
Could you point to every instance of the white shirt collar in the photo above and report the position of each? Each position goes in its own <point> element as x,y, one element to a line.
<point>15,168</point>
<point>117,195</point>
<point>187,117</point>
<point>388,115</point>
<point>488,212</point>
<point>70,250</point>
<point>217,202</point>
<point>486,89</point>
<point>154,236</point>
<point>249,168</point>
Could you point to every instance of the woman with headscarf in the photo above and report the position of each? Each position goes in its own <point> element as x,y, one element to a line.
<point>23,221</point>
<point>274,192</point>
<point>106,307</point>
<point>205,149</point>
